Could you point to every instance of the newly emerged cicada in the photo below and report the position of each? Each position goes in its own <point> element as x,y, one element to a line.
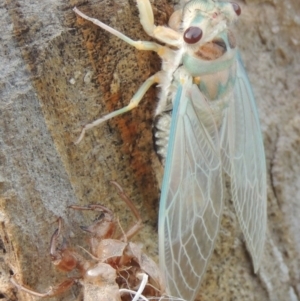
<point>206,123</point>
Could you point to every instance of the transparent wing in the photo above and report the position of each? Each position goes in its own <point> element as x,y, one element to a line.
<point>244,160</point>
<point>192,194</point>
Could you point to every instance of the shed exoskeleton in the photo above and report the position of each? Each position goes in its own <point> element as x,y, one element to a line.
<point>116,270</point>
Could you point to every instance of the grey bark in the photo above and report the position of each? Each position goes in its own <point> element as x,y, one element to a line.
<point>59,72</point>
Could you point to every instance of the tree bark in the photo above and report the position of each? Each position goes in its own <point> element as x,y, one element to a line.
<point>59,72</point>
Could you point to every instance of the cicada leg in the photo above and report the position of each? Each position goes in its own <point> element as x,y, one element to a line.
<point>95,207</point>
<point>64,258</point>
<point>162,33</point>
<point>162,51</point>
<point>53,291</point>
<point>138,225</point>
<point>104,226</point>
<point>154,79</point>
<point>140,45</point>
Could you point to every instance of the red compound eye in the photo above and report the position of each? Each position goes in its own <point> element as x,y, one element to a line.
<point>192,35</point>
<point>236,8</point>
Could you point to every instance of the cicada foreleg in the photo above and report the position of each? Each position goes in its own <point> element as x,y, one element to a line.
<point>140,45</point>
<point>162,33</point>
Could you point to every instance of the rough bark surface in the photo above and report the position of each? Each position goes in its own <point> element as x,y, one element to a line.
<point>59,72</point>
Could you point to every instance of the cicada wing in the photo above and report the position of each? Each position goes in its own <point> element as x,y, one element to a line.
<point>244,160</point>
<point>192,194</point>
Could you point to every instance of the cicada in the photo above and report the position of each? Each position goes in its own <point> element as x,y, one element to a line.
<point>117,269</point>
<point>206,122</point>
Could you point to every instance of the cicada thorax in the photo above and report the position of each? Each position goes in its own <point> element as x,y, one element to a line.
<point>212,67</point>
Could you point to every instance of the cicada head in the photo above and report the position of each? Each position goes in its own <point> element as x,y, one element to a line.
<point>209,17</point>
<point>205,26</point>
<point>209,45</point>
